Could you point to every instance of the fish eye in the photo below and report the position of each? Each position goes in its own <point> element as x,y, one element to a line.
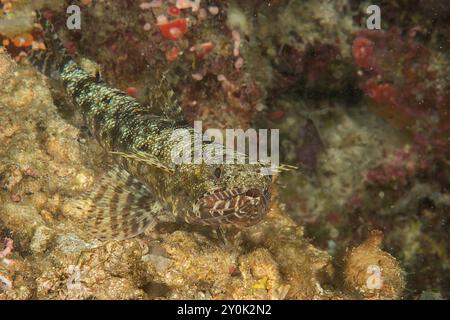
<point>217,172</point>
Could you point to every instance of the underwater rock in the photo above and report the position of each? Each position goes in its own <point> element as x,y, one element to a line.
<point>113,271</point>
<point>7,66</point>
<point>41,239</point>
<point>261,276</point>
<point>270,260</point>
<point>42,161</point>
<point>234,62</point>
<point>23,219</point>
<point>373,273</point>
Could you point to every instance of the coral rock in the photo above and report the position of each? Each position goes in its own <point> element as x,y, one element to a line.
<point>373,273</point>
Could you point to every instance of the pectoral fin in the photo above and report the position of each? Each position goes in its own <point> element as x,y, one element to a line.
<point>119,207</point>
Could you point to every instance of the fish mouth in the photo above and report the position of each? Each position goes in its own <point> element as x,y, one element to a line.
<point>237,206</point>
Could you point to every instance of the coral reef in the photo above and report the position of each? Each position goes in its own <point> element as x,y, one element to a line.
<point>7,67</point>
<point>394,83</point>
<point>46,161</point>
<point>364,114</point>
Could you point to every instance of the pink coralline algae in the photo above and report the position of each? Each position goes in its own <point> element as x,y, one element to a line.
<point>150,5</point>
<point>423,159</point>
<point>203,49</point>
<point>173,11</point>
<point>172,54</point>
<point>362,50</point>
<point>186,4</point>
<point>7,250</point>
<point>398,76</point>
<point>398,169</point>
<point>132,91</point>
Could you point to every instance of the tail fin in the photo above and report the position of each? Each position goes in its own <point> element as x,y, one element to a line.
<point>52,61</point>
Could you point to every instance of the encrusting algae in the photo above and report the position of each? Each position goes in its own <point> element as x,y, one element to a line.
<point>7,67</point>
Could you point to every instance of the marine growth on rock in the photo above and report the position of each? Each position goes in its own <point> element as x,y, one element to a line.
<point>93,205</point>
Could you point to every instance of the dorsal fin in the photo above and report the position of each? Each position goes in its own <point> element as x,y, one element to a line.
<point>144,157</point>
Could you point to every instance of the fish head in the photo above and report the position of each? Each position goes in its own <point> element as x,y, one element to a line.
<point>217,194</point>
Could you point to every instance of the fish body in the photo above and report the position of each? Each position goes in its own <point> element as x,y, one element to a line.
<point>146,186</point>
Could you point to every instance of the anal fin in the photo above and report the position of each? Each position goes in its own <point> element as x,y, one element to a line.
<point>118,207</point>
